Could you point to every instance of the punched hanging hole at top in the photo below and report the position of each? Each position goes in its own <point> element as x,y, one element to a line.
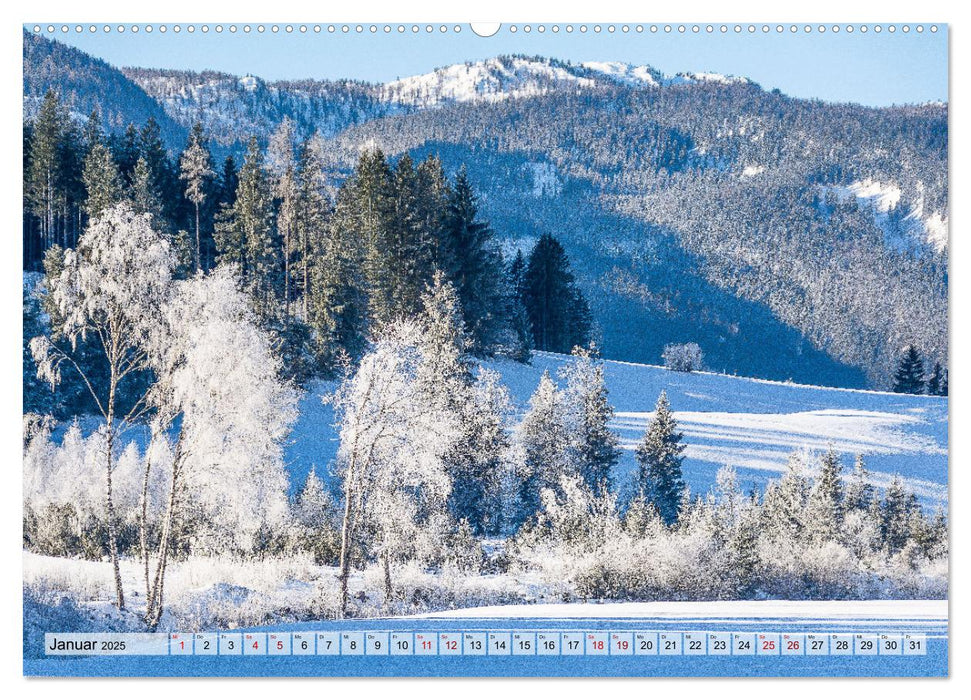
<point>485,29</point>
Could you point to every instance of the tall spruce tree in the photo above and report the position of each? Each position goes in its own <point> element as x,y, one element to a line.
<point>475,456</point>
<point>313,212</point>
<point>409,254</point>
<point>45,175</point>
<point>433,188</point>
<point>860,493</point>
<point>162,176</point>
<point>895,516</point>
<point>473,263</point>
<point>518,329</point>
<point>338,303</point>
<point>372,194</point>
<point>195,170</point>
<point>659,458</point>
<point>909,377</point>
<point>126,152</point>
<point>282,169</point>
<point>557,311</point>
<point>92,132</point>
<point>246,236</point>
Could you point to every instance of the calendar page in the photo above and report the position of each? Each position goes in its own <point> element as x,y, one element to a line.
<point>485,350</point>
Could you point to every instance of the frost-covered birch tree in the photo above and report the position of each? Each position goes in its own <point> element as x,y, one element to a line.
<point>392,445</point>
<point>225,411</point>
<point>111,288</point>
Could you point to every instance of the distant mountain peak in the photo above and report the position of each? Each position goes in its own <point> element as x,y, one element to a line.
<point>503,77</point>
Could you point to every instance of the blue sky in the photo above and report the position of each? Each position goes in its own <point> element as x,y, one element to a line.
<point>872,68</point>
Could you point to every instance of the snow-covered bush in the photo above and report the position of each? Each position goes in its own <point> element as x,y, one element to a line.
<point>726,546</point>
<point>64,491</point>
<point>683,357</point>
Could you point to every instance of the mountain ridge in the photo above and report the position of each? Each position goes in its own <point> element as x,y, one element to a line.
<point>696,208</point>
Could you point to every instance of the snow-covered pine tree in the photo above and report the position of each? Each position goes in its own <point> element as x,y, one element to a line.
<point>112,286</point>
<point>909,377</point>
<point>860,493</point>
<point>588,414</point>
<point>659,457</point>
<point>479,405</point>
<point>101,181</point>
<point>195,170</point>
<point>543,442</point>
<point>784,504</point>
<point>314,514</point>
<point>895,516</point>
<point>728,497</point>
<point>825,506</point>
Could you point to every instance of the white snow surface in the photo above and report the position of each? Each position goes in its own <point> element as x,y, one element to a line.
<point>815,610</point>
<point>882,198</point>
<point>751,424</point>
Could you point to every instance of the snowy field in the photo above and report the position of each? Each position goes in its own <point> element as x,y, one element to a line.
<point>751,424</point>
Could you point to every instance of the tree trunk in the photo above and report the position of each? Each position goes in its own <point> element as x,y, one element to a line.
<point>346,525</point>
<point>388,590</point>
<point>154,602</point>
<point>345,558</point>
<point>112,532</point>
<point>143,528</point>
<point>198,245</point>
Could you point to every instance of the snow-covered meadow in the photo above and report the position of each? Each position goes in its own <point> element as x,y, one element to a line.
<point>751,424</point>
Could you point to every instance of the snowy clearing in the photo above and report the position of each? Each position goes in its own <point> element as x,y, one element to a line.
<point>751,424</point>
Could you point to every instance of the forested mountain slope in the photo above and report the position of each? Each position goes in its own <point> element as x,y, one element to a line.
<point>789,238</point>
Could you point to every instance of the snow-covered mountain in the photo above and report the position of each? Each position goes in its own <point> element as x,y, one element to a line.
<point>506,77</point>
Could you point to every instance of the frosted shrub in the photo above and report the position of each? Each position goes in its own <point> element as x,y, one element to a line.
<point>683,357</point>
<point>64,492</point>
